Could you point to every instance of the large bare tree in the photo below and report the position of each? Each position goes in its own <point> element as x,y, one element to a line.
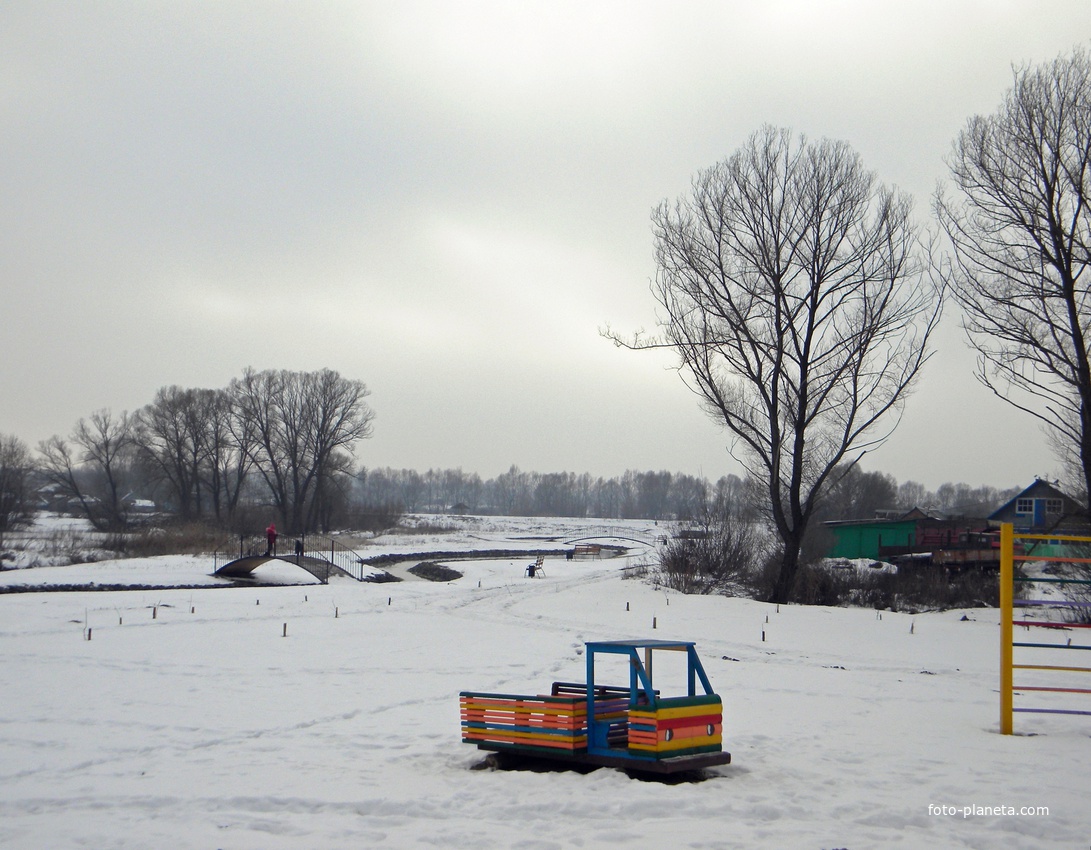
<point>230,438</point>
<point>94,468</point>
<point>193,441</point>
<point>795,290</point>
<point>170,438</point>
<point>15,470</point>
<point>303,424</point>
<point>1021,229</point>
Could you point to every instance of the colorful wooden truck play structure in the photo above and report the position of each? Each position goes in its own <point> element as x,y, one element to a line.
<point>631,727</point>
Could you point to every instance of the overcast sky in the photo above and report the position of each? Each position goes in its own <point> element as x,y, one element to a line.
<point>448,201</point>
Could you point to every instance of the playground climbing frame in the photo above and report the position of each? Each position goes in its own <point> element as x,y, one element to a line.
<point>1040,643</point>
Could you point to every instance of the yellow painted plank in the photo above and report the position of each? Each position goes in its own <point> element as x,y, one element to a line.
<point>642,716</point>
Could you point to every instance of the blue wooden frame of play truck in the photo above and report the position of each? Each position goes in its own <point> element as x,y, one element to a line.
<point>641,689</point>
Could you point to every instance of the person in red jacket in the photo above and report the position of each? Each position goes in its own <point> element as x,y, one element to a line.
<point>271,540</point>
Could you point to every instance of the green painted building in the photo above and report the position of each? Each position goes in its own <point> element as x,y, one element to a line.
<point>863,538</point>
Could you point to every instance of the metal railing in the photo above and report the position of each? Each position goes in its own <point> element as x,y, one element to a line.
<point>333,553</point>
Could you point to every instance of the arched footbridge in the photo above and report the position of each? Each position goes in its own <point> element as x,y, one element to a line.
<point>321,557</point>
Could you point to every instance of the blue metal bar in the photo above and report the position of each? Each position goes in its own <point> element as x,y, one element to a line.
<point>1051,711</point>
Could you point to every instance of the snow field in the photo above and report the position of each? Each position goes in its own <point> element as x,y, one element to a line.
<point>211,729</point>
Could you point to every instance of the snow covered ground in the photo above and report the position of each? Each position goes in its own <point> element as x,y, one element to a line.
<point>189,720</point>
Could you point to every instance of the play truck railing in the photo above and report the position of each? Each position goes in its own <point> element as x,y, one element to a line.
<point>557,721</point>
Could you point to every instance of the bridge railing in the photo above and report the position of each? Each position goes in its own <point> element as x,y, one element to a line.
<point>332,552</point>
<point>248,544</point>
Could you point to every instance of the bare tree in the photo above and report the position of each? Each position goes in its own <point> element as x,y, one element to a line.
<point>913,494</point>
<point>855,494</point>
<point>722,557</point>
<point>93,470</point>
<point>300,420</point>
<point>15,470</point>
<point>795,294</point>
<point>1021,229</point>
<point>230,439</point>
<point>332,489</point>
<point>514,491</point>
<point>170,435</point>
<point>689,497</point>
<point>193,441</point>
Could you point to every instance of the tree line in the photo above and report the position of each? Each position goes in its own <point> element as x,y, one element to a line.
<point>652,495</point>
<point>656,495</point>
<point>223,456</point>
<point>277,439</point>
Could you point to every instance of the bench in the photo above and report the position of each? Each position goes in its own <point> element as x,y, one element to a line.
<point>587,550</point>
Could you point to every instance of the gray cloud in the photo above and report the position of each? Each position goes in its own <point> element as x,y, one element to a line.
<point>447,201</point>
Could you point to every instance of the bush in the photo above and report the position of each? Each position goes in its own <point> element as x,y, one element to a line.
<point>912,590</point>
<point>190,538</point>
<point>931,588</point>
<point>719,557</point>
<point>432,571</point>
<point>1078,594</point>
<point>377,517</point>
<point>733,562</point>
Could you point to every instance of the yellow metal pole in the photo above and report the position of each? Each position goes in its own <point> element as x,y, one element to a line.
<point>1007,563</point>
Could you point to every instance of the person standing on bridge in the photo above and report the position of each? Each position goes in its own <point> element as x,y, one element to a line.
<point>271,540</point>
